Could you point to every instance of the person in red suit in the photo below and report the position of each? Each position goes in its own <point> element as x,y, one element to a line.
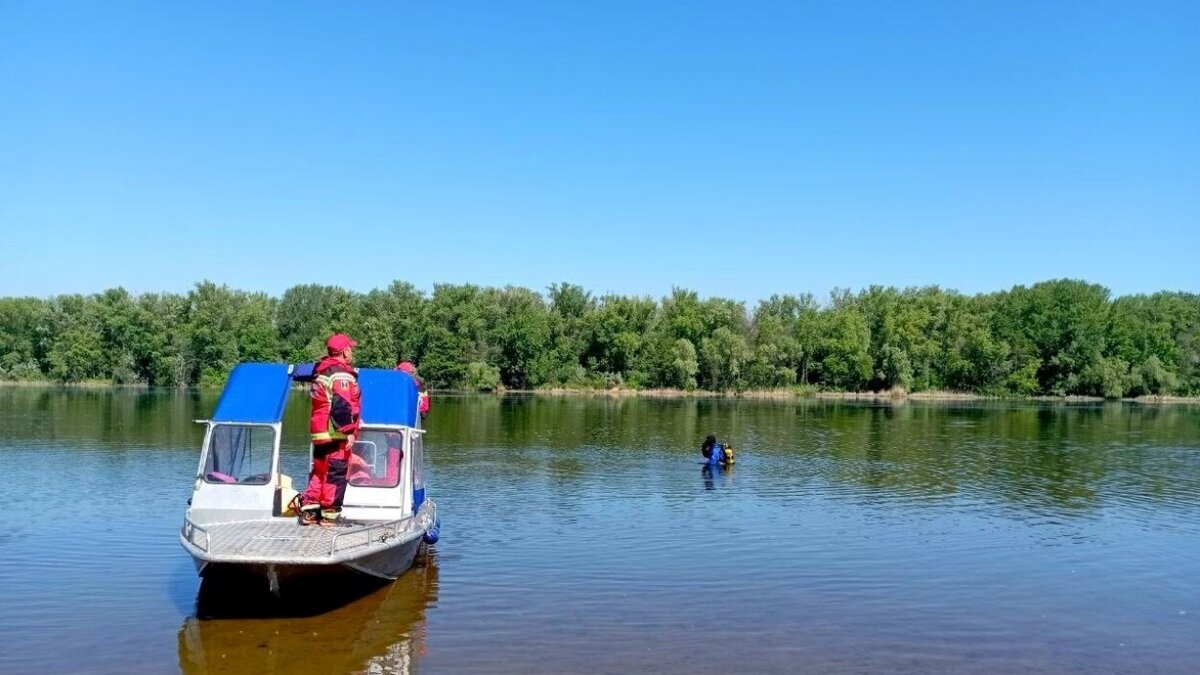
<point>333,425</point>
<point>422,393</point>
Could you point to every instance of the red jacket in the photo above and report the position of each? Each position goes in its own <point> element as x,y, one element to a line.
<point>336,401</point>
<point>422,397</point>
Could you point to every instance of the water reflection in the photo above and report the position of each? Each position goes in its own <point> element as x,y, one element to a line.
<point>1048,456</point>
<point>712,476</point>
<point>353,629</point>
<point>902,538</point>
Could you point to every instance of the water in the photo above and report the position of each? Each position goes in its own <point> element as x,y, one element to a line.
<point>581,535</point>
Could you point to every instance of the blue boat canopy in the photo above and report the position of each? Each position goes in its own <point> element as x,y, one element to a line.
<point>254,393</point>
<point>257,393</point>
<point>388,397</point>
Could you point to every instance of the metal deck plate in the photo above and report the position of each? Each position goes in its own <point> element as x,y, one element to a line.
<point>284,539</point>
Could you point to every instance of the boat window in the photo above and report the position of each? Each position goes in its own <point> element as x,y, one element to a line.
<point>239,455</point>
<point>418,462</point>
<point>375,459</point>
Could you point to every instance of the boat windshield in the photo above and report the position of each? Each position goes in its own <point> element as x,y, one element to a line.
<point>239,454</point>
<point>375,461</point>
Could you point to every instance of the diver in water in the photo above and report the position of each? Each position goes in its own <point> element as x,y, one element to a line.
<point>718,459</point>
<point>715,452</point>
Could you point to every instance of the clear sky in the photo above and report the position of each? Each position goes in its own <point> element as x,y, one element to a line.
<point>736,148</point>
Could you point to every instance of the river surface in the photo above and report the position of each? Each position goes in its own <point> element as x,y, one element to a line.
<point>582,535</point>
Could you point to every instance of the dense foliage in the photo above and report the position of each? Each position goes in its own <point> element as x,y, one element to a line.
<point>1053,338</point>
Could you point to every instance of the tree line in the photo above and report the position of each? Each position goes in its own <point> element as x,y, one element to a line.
<point>1061,337</point>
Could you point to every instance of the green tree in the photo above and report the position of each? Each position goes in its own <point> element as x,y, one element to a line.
<point>481,376</point>
<point>520,334</point>
<point>783,340</point>
<point>619,332</point>
<point>457,319</point>
<point>723,359</point>
<point>228,327</point>
<point>685,365</point>
<point>77,347</point>
<point>843,350</point>
<point>20,319</point>
<point>1062,325</point>
<point>570,308</point>
<point>257,337</point>
<point>308,314</point>
<point>389,325</point>
<point>1155,378</point>
<point>1055,337</point>
<point>683,316</point>
<point>163,347</point>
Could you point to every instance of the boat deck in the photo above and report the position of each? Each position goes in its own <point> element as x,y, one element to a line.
<point>283,540</point>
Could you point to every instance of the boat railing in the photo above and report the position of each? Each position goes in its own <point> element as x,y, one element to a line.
<point>365,536</point>
<point>340,541</point>
<point>191,532</point>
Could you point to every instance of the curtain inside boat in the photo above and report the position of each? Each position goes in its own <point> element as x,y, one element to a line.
<point>239,454</point>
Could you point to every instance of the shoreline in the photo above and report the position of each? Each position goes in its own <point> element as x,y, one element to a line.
<point>85,384</point>
<point>877,396</point>
<point>760,394</point>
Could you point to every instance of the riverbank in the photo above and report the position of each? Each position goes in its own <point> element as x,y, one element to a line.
<point>895,395</point>
<point>84,384</point>
<point>876,396</point>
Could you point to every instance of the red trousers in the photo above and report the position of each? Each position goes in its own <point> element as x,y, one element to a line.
<point>327,482</point>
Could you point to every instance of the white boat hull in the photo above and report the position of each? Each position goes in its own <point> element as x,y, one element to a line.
<point>279,549</point>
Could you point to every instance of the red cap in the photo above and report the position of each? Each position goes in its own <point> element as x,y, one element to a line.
<point>340,341</point>
<point>407,367</point>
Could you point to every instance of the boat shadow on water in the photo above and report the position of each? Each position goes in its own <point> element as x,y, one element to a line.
<point>339,624</point>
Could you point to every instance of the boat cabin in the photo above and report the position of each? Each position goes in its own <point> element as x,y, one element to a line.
<point>239,473</point>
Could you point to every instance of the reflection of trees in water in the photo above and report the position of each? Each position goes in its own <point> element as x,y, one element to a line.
<point>345,627</point>
<point>1045,455</point>
<point>1060,457</point>
<point>1041,454</point>
<point>1056,456</point>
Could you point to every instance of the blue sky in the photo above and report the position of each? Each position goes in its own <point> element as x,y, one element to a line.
<point>736,148</point>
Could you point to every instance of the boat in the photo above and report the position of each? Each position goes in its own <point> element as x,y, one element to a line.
<point>240,519</point>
